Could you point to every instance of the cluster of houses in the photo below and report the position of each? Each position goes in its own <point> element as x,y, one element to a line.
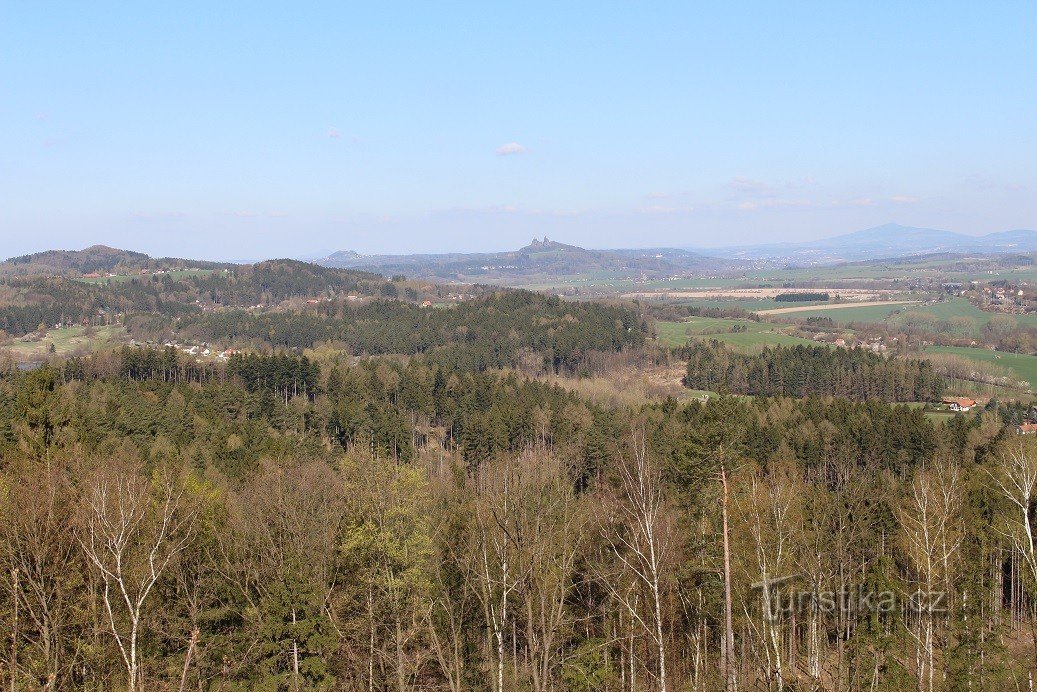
<point>195,351</point>
<point>965,404</point>
<point>875,345</point>
<point>143,272</point>
<point>1029,424</point>
<point>1004,297</point>
<point>999,295</point>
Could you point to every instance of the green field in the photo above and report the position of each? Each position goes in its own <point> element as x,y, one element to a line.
<point>756,336</point>
<point>960,307</point>
<point>66,342</point>
<point>944,310</point>
<point>851,313</point>
<point>750,304</point>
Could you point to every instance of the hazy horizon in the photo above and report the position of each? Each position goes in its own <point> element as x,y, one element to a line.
<point>203,131</point>
<point>322,253</point>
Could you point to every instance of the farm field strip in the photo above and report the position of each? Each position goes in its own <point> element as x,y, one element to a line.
<point>854,294</point>
<point>834,306</point>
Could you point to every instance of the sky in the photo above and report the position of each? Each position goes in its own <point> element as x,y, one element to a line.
<point>252,130</point>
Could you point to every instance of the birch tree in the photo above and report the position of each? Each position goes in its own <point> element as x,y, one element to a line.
<point>1016,478</point>
<point>494,564</point>
<point>768,516</point>
<point>132,528</point>
<point>638,533</point>
<point>930,519</point>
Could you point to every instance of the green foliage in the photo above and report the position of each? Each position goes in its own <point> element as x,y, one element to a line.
<point>801,371</point>
<point>588,669</point>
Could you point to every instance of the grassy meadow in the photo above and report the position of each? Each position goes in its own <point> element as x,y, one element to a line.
<point>756,334</point>
<point>66,342</point>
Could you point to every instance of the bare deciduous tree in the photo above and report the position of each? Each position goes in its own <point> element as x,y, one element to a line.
<point>638,533</point>
<point>931,523</point>
<point>132,528</point>
<point>767,513</point>
<point>495,568</point>
<point>37,539</point>
<point>547,524</point>
<point>1016,478</point>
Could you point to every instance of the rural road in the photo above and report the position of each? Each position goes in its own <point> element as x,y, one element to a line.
<point>834,306</point>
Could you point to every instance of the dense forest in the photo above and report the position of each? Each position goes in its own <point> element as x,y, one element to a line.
<point>800,371</point>
<point>276,522</point>
<point>28,302</point>
<point>487,332</point>
<point>390,485</point>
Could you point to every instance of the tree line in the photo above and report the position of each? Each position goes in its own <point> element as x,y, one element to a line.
<point>401,524</point>
<point>802,296</point>
<point>802,371</point>
<point>487,332</point>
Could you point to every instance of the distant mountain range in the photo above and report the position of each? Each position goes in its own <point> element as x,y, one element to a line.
<point>545,259</point>
<point>550,258</point>
<point>891,241</point>
<point>539,258</point>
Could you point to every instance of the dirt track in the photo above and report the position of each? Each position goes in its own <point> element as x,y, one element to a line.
<point>835,306</point>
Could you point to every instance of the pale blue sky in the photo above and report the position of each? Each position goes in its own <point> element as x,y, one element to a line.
<point>250,130</point>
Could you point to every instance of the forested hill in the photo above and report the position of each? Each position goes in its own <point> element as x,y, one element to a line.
<point>281,279</point>
<point>27,302</point>
<point>492,331</point>
<point>95,259</point>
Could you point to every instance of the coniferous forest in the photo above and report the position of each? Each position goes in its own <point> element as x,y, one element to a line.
<point>377,495</point>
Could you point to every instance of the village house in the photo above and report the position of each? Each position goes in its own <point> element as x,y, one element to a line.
<point>959,403</point>
<point>1026,428</point>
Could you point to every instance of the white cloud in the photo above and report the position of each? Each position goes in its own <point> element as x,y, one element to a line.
<point>665,209</point>
<point>903,199</point>
<point>511,148</point>
<point>747,186</point>
<point>753,205</point>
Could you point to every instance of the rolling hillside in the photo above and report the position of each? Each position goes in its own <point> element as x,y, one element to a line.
<point>539,258</point>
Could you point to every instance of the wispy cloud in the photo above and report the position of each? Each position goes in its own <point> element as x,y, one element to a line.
<point>753,205</point>
<point>665,209</point>
<point>903,199</point>
<point>511,148</point>
<point>753,188</point>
